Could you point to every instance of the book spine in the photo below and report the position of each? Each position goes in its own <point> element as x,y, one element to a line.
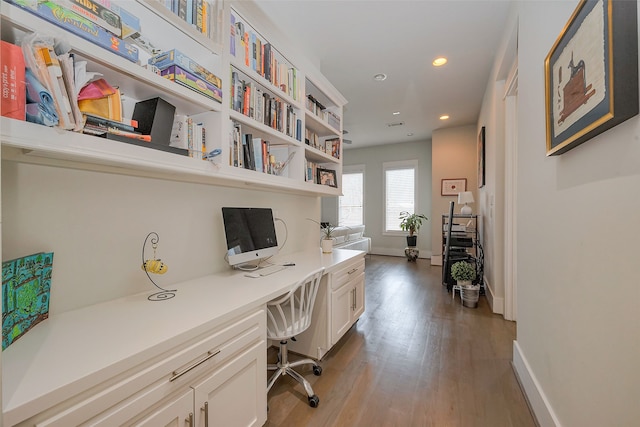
<point>12,79</point>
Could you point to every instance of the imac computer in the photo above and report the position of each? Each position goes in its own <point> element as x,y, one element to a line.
<point>250,234</point>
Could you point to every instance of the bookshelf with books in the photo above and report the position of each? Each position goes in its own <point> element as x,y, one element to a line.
<point>323,132</point>
<point>160,30</point>
<point>285,157</point>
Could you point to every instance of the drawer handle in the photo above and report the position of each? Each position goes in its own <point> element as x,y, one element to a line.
<point>178,374</point>
<point>353,271</point>
<point>206,414</point>
<point>190,419</point>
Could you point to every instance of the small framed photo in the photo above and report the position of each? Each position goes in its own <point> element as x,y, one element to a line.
<point>451,187</point>
<point>327,177</point>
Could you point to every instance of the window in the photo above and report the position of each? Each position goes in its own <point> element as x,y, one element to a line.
<point>350,206</point>
<point>399,192</point>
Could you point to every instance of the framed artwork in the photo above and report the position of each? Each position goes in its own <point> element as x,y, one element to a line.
<point>327,177</point>
<point>481,144</point>
<point>591,73</point>
<point>26,289</point>
<point>451,187</point>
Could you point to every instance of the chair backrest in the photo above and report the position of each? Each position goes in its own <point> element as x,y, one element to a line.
<point>290,314</point>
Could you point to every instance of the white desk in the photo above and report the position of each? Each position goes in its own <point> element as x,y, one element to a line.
<point>77,350</point>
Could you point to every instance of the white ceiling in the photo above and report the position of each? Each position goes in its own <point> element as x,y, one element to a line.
<point>353,40</point>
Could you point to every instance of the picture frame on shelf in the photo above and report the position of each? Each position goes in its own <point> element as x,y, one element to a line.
<point>451,187</point>
<point>481,157</point>
<point>327,177</point>
<point>591,74</point>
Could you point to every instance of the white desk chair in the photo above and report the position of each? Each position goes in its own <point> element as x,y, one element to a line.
<point>287,317</point>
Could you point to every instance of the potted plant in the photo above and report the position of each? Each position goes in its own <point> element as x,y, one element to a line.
<point>411,222</point>
<point>464,272</point>
<point>326,232</point>
<point>327,237</point>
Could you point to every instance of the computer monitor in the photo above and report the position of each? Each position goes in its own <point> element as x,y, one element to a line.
<point>250,234</point>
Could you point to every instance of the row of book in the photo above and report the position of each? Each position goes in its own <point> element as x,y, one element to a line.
<point>253,153</point>
<point>251,100</point>
<point>204,15</point>
<point>321,111</point>
<point>261,57</point>
<point>189,134</point>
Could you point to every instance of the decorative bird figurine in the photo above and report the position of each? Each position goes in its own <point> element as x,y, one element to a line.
<point>155,266</point>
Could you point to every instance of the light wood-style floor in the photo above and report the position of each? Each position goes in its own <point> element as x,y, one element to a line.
<point>415,358</point>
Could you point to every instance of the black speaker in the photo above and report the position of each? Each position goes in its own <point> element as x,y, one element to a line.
<point>155,118</point>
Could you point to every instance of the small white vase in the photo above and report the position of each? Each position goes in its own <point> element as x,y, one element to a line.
<point>327,245</point>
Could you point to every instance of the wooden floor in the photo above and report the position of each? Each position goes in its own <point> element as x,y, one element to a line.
<point>415,358</point>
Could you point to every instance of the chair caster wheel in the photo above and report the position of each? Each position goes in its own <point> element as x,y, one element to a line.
<point>317,370</point>
<point>314,401</point>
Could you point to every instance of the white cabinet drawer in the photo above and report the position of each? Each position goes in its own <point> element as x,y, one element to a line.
<point>129,393</point>
<point>341,277</point>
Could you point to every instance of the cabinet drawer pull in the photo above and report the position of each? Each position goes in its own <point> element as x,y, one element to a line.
<point>206,414</point>
<point>190,419</point>
<point>178,374</point>
<point>352,271</point>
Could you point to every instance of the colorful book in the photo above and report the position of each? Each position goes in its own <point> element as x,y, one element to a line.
<point>175,57</point>
<point>79,25</point>
<point>97,13</point>
<point>191,81</point>
<point>12,75</point>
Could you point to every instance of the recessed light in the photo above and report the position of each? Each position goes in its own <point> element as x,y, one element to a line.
<point>439,62</point>
<point>444,117</point>
<point>396,113</point>
<point>380,77</point>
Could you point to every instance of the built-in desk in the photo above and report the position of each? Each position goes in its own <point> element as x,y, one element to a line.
<point>108,363</point>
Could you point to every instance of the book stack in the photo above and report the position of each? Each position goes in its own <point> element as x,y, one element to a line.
<point>179,68</point>
<point>86,19</point>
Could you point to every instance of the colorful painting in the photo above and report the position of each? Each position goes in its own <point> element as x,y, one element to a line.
<point>591,74</point>
<point>26,287</point>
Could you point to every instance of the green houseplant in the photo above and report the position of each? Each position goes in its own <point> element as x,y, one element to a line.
<point>411,222</point>
<point>463,272</point>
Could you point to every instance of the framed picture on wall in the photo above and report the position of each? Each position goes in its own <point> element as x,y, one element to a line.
<point>481,144</point>
<point>451,187</point>
<point>591,74</point>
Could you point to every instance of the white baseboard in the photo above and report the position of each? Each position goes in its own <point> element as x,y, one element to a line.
<point>535,395</point>
<point>496,303</point>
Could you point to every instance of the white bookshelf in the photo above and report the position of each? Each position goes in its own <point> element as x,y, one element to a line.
<point>28,142</point>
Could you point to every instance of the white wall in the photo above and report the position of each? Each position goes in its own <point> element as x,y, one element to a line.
<point>454,156</point>
<point>373,158</point>
<point>96,223</point>
<point>578,292</point>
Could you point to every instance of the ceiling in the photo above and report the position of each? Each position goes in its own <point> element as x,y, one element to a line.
<point>353,40</point>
